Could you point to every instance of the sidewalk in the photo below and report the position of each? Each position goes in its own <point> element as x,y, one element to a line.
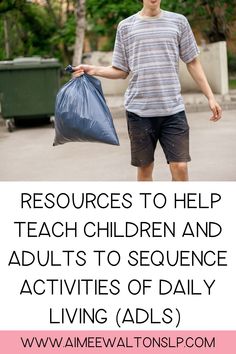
<point>27,154</point>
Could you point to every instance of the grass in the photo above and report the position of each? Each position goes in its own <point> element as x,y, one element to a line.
<point>232,84</point>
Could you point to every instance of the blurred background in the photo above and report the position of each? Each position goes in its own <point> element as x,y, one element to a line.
<point>38,38</point>
<point>48,28</point>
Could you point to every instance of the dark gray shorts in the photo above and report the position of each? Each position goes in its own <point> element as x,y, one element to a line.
<point>171,131</point>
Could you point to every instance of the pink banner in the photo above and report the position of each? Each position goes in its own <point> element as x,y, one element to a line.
<point>163,342</point>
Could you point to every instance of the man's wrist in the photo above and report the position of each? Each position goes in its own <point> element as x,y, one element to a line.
<point>93,70</point>
<point>210,96</point>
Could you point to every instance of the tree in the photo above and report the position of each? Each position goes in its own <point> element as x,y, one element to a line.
<point>103,17</point>
<point>57,27</point>
<point>219,14</point>
<point>80,32</point>
<point>29,29</point>
<point>47,31</point>
<point>9,5</point>
<point>6,36</point>
<point>212,17</point>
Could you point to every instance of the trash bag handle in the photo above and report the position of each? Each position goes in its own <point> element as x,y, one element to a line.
<point>69,69</point>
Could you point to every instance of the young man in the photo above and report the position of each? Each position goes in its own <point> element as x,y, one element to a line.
<point>148,47</point>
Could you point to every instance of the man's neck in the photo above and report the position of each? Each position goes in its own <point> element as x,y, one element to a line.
<point>150,12</point>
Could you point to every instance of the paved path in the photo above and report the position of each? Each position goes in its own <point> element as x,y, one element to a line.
<point>27,154</point>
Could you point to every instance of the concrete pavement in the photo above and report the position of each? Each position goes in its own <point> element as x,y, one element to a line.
<point>27,154</point>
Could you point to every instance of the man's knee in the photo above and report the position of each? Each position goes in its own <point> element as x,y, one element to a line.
<point>179,171</point>
<point>145,172</point>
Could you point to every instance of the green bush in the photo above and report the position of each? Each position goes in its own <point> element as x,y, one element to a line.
<point>232,62</point>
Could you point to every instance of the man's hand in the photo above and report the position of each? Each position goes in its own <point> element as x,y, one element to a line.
<point>196,71</point>
<point>83,68</point>
<point>215,108</point>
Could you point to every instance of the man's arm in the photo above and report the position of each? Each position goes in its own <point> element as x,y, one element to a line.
<point>109,72</point>
<point>196,71</point>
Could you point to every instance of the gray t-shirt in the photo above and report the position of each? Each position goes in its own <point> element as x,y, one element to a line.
<point>149,49</point>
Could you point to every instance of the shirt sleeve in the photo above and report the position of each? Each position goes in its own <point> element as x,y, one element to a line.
<point>119,59</point>
<point>188,48</point>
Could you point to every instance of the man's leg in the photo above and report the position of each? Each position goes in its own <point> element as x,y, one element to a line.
<point>144,173</point>
<point>179,171</point>
<point>174,140</point>
<point>143,139</point>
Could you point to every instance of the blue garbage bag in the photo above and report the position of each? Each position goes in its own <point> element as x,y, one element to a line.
<point>81,113</point>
